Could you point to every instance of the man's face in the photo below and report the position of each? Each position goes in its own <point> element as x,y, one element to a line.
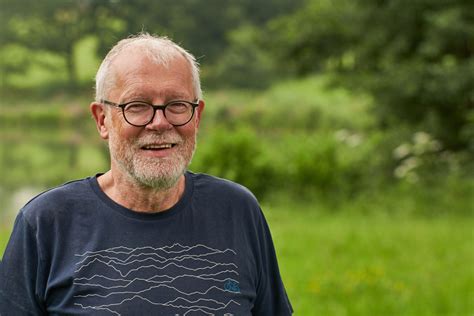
<point>157,154</point>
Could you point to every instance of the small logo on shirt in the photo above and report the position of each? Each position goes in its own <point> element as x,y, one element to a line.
<point>232,286</point>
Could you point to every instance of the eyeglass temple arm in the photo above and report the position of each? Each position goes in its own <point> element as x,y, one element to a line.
<point>108,102</point>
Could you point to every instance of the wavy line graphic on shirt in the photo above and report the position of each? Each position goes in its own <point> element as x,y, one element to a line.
<point>189,306</point>
<point>125,263</point>
<point>150,280</point>
<point>130,250</point>
<point>148,256</point>
<point>151,254</point>
<point>155,267</point>
<point>178,279</point>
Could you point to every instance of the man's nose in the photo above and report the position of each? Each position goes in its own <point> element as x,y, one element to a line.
<point>159,121</point>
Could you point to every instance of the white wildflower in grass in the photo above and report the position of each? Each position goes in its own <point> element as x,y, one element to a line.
<point>423,143</point>
<point>400,172</point>
<point>354,140</point>
<point>411,162</point>
<point>341,135</point>
<point>414,154</point>
<point>402,151</point>
<point>421,138</point>
<point>348,138</point>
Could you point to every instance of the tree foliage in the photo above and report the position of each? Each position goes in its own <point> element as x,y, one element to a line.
<point>56,26</point>
<point>415,57</point>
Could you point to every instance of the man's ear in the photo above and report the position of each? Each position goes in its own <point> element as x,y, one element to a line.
<point>199,111</point>
<point>99,114</point>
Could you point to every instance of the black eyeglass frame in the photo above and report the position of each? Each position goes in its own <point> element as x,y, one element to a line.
<point>155,107</point>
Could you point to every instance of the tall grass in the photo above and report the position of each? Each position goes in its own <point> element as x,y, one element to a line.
<point>377,264</point>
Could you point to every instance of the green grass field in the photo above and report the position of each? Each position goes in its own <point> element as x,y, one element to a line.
<point>353,264</point>
<point>375,265</point>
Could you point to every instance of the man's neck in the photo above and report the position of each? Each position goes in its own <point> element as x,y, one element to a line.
<point>139,198</point>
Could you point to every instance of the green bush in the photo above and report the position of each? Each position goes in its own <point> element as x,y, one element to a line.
<point>304,164</point>
<point>238,155</point>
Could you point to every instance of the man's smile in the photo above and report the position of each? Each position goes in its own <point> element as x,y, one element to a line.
<point>158,146</point>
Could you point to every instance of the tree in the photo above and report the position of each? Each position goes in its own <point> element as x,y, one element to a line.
<point>415,57</point>
<point>57,25</point>
<point>51,25</point>
<point>201,27</point>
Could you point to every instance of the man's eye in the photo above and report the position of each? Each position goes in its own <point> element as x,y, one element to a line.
<point>177,107</point>
<point>137,107</point>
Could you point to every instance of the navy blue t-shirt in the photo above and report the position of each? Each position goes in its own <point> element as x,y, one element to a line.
<point>75,251</point>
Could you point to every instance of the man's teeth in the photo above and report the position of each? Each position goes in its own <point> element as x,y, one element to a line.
<point>162,146</point>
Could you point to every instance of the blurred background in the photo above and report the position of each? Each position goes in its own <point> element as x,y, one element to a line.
<point>351,121</point>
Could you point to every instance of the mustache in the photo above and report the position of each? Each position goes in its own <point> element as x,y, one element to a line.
<point>158,139</point>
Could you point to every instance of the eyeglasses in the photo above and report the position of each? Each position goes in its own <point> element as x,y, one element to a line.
<point>139,113</point>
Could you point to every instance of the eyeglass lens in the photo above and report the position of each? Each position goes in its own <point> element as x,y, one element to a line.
<point>140,113</point>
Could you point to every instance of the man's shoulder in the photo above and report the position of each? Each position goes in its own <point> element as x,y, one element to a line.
<point>57,198</point>
<point>222,188</point>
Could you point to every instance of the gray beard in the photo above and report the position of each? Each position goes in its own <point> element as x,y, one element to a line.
<point>156,180</point>
<point>155,173</point>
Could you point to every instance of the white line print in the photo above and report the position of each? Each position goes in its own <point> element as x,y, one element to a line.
<point>114,312</point>
<point>121,262</point>
<point>97,308</point>
<point>162,304</point>
<point>198,309</point>
<point>158,268</point>
<point>196,301</point>
<point>149,279</point>
<point>154,287</point>
<point>111,260</point>
<point>130,250</point>
<point>180,258</point>
<point>156,282</point>
<point>187,248</point>
<point>98,253</point>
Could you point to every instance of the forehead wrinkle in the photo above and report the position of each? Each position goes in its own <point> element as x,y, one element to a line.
<point>149,93</point>
<point>143,90</point>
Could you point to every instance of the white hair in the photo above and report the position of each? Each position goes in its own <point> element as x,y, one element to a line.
<point>159,49</point>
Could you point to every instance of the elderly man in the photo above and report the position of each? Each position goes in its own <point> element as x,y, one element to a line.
<point>147,237</point>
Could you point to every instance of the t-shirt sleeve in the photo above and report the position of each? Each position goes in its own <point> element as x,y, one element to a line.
<point>271,295</point>
<point>19,272</point>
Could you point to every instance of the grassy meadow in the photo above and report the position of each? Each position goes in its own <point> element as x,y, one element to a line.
<point>374,265</point>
